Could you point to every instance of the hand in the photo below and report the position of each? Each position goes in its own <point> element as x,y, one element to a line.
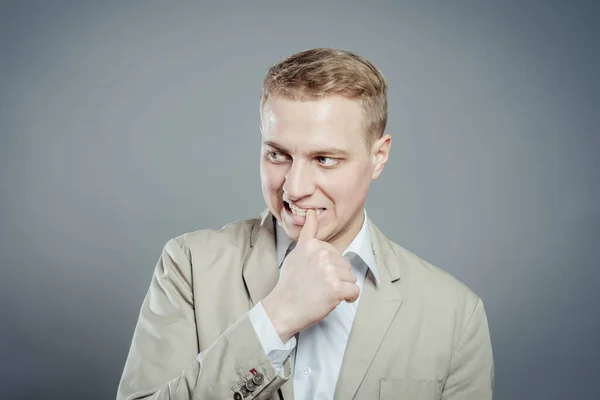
<point>316,278</point>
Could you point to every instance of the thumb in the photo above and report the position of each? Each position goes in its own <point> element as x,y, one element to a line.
<point>311,226</point>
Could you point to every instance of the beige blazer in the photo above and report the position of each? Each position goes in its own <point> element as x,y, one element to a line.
<point>421,334</point>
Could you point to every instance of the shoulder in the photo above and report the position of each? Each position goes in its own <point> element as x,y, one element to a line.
<point>435,294</point>
<point>432,278</point>
<point>236,233</point>
<point>422,281</point>
<point>206,243</point>
<point>438,292</point>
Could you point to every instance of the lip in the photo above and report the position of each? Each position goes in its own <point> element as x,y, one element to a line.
<point>298,220</point>
<point>302,206</point>
<point>306,207</point>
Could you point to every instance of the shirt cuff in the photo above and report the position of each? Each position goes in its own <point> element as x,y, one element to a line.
<point>274,348</point>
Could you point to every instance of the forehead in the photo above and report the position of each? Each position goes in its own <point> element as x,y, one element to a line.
<point>324,122</point>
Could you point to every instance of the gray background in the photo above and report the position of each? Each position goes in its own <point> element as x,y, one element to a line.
<point>124,124</point>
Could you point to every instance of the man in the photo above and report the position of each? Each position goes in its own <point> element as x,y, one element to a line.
<point>309,300</point>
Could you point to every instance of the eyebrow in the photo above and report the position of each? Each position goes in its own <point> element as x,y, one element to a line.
<point>330,151</point>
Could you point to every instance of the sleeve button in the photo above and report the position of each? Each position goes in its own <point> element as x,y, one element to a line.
<point>258,379</point>
<point>251,386</point>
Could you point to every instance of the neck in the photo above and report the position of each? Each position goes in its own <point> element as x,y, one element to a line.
<point>348,234</point>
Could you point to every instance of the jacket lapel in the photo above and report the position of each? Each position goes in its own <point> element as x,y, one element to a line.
<point>261,272</point>
<point>377,308</point>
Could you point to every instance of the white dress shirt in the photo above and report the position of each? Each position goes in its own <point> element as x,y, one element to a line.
<point>317,351</point>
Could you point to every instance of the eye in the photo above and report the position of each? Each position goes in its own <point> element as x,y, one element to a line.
<point>327,161</point>
<point>275,156</point>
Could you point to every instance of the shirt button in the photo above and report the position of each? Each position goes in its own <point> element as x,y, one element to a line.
<point>306,370</point>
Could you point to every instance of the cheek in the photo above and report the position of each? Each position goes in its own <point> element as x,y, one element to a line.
<point>272,176</point>
<point>348,189</point>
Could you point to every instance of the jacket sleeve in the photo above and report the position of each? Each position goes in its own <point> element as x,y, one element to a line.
<point>164,361</point>
<point>471,374</point>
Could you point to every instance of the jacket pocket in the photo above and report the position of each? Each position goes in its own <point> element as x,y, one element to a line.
<point>409,389</point>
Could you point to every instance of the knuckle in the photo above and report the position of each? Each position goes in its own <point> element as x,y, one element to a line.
<point>322,255</point>
<point>329,271</point>
<point>336,285</point>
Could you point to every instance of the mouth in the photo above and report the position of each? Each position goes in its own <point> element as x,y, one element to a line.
<point>298,213</point>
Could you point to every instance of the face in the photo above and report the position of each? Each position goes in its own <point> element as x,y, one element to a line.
<point>314,155</point>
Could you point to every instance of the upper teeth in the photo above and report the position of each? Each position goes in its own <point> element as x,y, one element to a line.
<point>302,212</point>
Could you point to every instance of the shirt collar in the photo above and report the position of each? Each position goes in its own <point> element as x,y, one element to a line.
<point>282,242</point>
<point>360,245</point>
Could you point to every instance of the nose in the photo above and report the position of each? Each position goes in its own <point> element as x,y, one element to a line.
<point>299,181</point>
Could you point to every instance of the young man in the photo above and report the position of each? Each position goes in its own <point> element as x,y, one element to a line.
<point>309,300</point>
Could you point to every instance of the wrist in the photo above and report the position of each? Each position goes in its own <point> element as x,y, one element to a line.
<point>279,318</point>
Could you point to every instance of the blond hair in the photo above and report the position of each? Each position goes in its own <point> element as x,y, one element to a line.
<point>322,72</point>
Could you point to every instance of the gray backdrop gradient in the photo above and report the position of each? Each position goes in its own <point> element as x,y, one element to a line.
<point>124,124</point>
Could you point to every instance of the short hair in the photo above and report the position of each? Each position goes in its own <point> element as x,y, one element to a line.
<point>322,72</point>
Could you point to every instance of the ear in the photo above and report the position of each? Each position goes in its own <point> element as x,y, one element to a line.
<point>380,152</point>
